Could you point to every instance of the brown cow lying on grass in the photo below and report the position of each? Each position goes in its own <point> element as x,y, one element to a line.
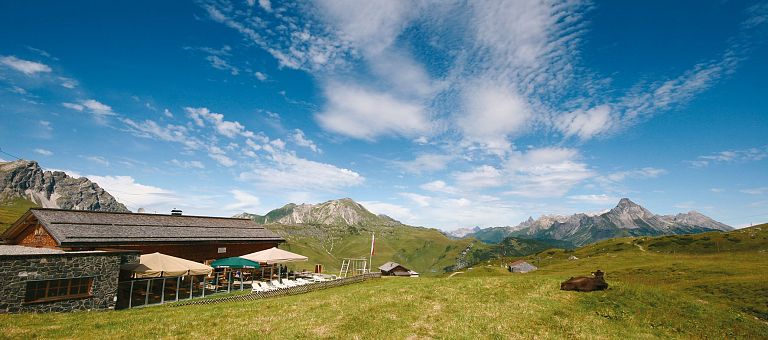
<point>585,284</point>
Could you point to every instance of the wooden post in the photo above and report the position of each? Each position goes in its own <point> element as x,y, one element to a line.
<point>191,284</point>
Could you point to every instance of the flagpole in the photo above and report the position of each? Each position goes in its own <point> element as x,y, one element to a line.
<point>370,258</point>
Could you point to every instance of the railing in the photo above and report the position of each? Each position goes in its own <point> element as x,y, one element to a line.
<point>285,291</point>
<point>145,292</point>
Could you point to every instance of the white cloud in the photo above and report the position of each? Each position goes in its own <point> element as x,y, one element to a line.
<point>546,172</point>
<point>439,186</point>
<point>68,82</point>
<point>731,156</point>
<point>45,125</point>
<point>126,190</point>
<point>98,160</point>
<point>492,114</point>
<point>265,4</point>
<point>365,114</point>
<point>300,139</point>
<point>43,152</point>
<point>593,199</point>
<point>187,164</point>
<point>244,202</point>
<point>395,211</point>
<point>260,76</point>
<point>219,63</point>
<point>25,66</point>
<point>647,172</point>
<point>220,156</point>
<point>168,113</point>
<point>424,163</point>
<point>586,124</point>
<point>421,200</point>
<point>755,191</point>
<point>230,129</point>
<point>484,176</point>
<point>717,190</point>
<point>168,133</point>
<point>291,172</point>
<point>97,107</point>
<point>73,106</point>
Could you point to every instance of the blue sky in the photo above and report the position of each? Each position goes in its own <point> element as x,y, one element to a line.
<point>442,114</point>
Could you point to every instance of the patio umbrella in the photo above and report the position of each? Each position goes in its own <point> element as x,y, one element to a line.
<point>161,265</point>
<point>274,255</point>
<point>235,262</point>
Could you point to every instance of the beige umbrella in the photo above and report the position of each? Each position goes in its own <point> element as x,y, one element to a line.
<point>274,255</point>
<point>161,265</point>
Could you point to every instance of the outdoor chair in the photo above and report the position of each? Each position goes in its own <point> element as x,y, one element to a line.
<point>256,288</point>
<point>266,287</point>
<point>278,284</point>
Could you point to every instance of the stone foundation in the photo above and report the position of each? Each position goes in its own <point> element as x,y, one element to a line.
<point>103,267</point>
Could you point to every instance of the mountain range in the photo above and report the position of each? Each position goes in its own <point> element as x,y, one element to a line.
<point>332,230</point>
<point>343,211</point>
<point>626,219</point>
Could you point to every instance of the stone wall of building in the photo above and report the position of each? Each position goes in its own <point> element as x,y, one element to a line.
<point>103,267</point>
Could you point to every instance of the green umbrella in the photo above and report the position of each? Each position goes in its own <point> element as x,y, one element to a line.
<point>235,262</point>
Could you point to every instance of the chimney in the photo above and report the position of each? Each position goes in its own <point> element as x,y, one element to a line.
<point>176,212</point>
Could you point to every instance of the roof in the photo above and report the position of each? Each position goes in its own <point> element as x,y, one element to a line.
<point>519,262</point>
<point>23,250</point>
<point>391,265</point>
<point>91,228</point>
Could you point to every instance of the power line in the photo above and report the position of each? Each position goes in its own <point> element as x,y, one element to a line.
<point>5,153</point>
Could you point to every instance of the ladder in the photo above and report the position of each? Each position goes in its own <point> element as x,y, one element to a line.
<point>344,268</point>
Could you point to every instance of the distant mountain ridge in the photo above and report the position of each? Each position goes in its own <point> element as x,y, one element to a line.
<point>626,219</point>
<point>24,179</point>
<point>343,211</point>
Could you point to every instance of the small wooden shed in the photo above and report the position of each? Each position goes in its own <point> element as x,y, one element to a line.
<point>396,269</point>
<point>521,266</point>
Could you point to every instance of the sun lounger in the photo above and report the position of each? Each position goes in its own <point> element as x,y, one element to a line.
<point>266,287</point>
<point>278,284</point>
<point>257,288</point>
<point>303,282</point>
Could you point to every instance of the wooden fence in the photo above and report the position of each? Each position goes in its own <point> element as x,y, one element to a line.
<point>283,292</point>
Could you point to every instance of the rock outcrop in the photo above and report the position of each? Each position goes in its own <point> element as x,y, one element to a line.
<point>53,189</point>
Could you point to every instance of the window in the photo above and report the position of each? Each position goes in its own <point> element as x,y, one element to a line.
<point>61,289</point>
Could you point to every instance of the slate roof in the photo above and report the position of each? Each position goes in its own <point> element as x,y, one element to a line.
<point>79,227</point>
<point>389,266</point>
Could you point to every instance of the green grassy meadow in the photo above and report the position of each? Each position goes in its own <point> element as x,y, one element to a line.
<point>11,210</point>
<point>685,293</point>
<point>424,250</point>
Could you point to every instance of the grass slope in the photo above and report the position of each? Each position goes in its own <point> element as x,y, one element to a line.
<point>424,250</point>
<point>11,210</point>
<point>652,295</point>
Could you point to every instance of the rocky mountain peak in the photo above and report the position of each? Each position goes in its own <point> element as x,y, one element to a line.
<point>344,211</point>
<point>626,206</point>
<point>53,189</point>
